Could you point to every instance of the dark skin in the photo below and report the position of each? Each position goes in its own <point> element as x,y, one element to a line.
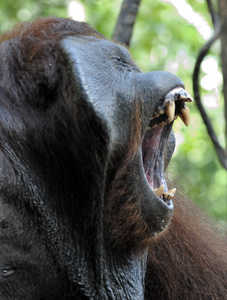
<point>85,138</point>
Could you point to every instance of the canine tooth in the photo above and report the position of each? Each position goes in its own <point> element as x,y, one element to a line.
<point>170,110</point>
<point>185,115</point>
<point>170,194</point>
<point>158,192</point>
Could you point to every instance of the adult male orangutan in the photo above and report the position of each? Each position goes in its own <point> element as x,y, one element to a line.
<point>85,211</point>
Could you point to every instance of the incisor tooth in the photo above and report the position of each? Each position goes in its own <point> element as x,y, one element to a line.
<point>170,110</point>
<point>185,115</point>
<point>159,191</point>
<point>161,111</point>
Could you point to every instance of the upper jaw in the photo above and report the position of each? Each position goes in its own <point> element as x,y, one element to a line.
<point>174,105</point>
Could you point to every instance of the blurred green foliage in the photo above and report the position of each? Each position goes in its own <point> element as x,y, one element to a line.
<point>162,40</point>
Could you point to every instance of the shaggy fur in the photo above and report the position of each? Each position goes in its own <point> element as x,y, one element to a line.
<point>187,261</point>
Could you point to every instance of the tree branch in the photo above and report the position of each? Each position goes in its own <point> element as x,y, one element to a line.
<point>223,37</point>
<point>125,22</point>
<point>222,155</point>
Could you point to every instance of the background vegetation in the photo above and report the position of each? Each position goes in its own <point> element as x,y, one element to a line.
<point>167,36</point>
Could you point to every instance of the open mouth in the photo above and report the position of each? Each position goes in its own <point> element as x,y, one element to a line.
<point>156,137</point>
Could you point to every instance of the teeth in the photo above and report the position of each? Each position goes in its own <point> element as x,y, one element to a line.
<point>170,194</point>
<point>170,110</point>
<point>177,94</point>
<point>161,111</point>
<point>163,123</point>
<point>159,191</point>
<point>166,195</point>
<point>185,115</point>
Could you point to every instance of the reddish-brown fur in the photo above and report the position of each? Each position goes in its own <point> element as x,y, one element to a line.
<point>187,261</point>
<point>49,29</point>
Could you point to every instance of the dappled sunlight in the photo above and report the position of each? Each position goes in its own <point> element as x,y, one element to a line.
<point>211,81</point>
<point>159,51</point>
<point>24,15</point>
<point>213,77</point>
<point>183,58</point>
<point>212,100</point>
<point>76,11</point>
<point>186,11</point>
<point>172,66</point>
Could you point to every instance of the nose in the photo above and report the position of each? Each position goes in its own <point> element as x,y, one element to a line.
<point>155,85</point>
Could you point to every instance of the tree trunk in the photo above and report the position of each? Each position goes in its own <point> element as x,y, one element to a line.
<point>125,22</point>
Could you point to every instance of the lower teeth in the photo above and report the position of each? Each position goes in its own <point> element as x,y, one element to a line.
<point>165,195</point>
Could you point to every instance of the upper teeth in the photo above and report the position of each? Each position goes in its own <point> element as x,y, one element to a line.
<point>185,115</point>
<point>170,110</point>
<point>169,107</point>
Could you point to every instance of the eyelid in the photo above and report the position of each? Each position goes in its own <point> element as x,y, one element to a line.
<point>121,59</point>
<point>117,57</point>
<point>7,270</point>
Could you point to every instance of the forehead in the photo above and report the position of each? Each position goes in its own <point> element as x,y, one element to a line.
<point>93,45</point>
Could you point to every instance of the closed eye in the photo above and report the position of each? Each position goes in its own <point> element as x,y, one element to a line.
<point>6,271</point>
<point>124,63</point>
